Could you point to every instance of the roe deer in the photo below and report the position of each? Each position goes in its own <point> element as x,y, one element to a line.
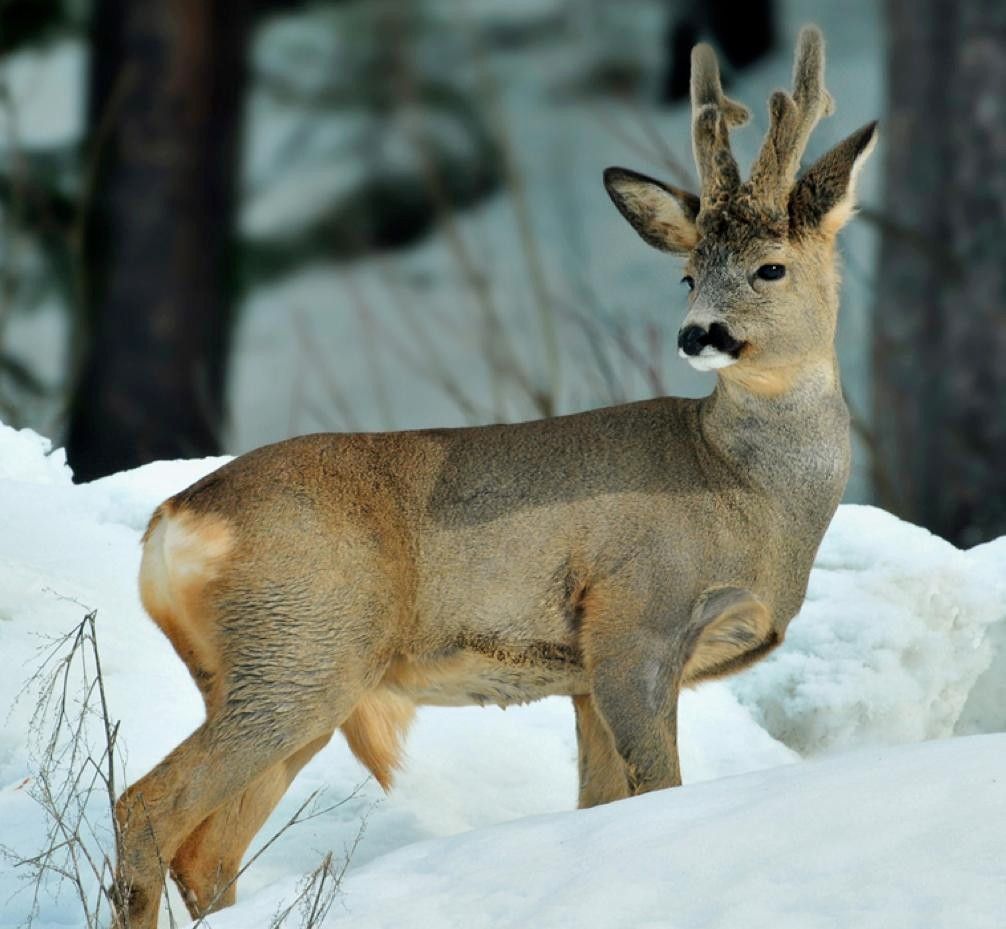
<point>338,581</point>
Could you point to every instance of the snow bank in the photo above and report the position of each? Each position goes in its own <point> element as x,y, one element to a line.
<point>893,839</point>
<point>130,497</point>
<point>897,642</point>
<point>897,628</point>
<point>28,457</point>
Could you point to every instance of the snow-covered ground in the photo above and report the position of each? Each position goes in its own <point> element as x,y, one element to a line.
<point>907,838</point>
<point>811,799</point>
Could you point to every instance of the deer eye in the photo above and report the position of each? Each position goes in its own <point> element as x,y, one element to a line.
<point>689,280</point>
<point>771,272</point>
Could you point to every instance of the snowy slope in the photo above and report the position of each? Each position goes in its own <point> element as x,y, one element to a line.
<point>907,838</point>
<point>897,643</point>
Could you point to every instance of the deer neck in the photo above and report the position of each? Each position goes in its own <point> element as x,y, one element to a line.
<point>784,429</point>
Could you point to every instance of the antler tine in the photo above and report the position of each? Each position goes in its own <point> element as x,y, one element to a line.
<point>713,115</point>
<point>793,118</point>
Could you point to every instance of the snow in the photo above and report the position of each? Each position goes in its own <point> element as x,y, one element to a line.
<point>30,458</point>
<point>829,785</point>
<point>863,840</point>
<point>890,642</point>
<point>47,85</point>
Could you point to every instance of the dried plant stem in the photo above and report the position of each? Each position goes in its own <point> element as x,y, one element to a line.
<point>72,774</point>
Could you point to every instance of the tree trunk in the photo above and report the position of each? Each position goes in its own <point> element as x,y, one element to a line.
<point>743,32</point>
<point>940,322</point>
<point>167,89</point>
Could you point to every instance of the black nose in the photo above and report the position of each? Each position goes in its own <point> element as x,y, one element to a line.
<point>720,338</point>
<point>692,339</point>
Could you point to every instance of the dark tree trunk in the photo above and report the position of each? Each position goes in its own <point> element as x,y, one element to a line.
<point>167,90</point>
<point>743,32</point>
<point>940,321</point>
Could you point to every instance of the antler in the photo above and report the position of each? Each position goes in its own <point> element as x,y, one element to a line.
<point>713,115</point>
<point>793,118</point>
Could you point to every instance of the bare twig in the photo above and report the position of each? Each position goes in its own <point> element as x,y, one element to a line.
<point>369,328</point>
<point>525,229</point>
<point>319,889</point>
<point>74,777</point>
<point>303,814</point>
<point>504,362</point>
<point>336,395</point>
<point>654,149</point>
<point>70,774</point>
<point>428,361</point>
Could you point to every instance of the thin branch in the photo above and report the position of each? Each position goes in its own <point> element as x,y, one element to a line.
<point>296,819</point>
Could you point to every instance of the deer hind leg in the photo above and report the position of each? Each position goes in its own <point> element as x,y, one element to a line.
<point>271,688</point>
<point>602,771</point>
<point>158,812</point>
<point>206,865</point>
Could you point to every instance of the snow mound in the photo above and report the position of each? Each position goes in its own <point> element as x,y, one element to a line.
<point>985,709</point>
<point>897,628</point>
<point>897,838</point>
<point>130,497</point>
<point>27,457</point>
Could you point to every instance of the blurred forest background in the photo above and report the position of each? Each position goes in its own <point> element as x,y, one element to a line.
<point>224,222</point>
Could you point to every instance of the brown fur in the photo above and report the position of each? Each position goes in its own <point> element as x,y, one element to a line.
<point>376,730</point>
<point>339,581</point>
<point>666,222</point>
<point>205,867</point>
<point>601,769</point>
<point>792,119</point>
<point>765,381</point>
<point>733,625</point>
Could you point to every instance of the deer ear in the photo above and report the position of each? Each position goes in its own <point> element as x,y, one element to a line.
<point>824,199</point>
<point>663,215</point>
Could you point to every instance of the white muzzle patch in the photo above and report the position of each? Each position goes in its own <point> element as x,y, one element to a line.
<point>709,359</point>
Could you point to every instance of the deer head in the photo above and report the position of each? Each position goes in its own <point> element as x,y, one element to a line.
<point>760,255</point>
